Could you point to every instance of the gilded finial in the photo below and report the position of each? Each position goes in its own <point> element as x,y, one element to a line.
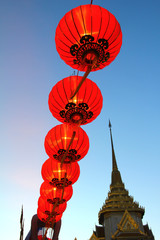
<point>116,177</point>
<point>114,164</point>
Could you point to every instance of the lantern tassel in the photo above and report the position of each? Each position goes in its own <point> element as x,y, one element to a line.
<point>89,69</point>
<point>65,155</point>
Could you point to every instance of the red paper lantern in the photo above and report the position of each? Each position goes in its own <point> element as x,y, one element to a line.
<point>54,194</point>
<point>47,208</point>
<point>85,106</point>
<point>46,218</point>
<point>86,32</point>
<point>58,139</point>
<point>60,176</point>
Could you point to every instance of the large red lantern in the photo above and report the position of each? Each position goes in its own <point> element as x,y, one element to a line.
<point>54,194</point>
<point>86,33</point>
<point>51,209</point>
<point>60,175</point>
<point>59,138</point>
<point>83,108</point>
<point>48,219</point>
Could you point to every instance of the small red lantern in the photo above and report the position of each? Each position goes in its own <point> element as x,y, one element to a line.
<point>88,32</point>
<point>83,108</point>
<point>54,194</point>
<point>46,218</point>
<point>51,209</point>
<point>58,140</point>
<point>60,175</point>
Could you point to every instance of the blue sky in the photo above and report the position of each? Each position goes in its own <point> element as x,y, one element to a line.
<point>30,66</point>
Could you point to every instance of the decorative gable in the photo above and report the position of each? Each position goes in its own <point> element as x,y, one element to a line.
<point>127,223</point>
<point>128,227</point>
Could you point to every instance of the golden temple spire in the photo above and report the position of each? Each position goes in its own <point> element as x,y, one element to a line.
<point>114,163</point>
<point>116,176</point>
<point>118,198</point>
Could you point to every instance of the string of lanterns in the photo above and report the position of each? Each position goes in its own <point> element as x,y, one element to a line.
<point>88,38</point>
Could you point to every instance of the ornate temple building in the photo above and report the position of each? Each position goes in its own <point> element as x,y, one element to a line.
<point>120,217</point>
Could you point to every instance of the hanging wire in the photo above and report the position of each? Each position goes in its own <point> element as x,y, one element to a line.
<point>89,69</point>
<point>50,223</point>
<point>65,155</point>
<point>73,74</point>
<point>81,82</point>
<point>77,72</point>
<point>47,225</point>
<point>56,203</point>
